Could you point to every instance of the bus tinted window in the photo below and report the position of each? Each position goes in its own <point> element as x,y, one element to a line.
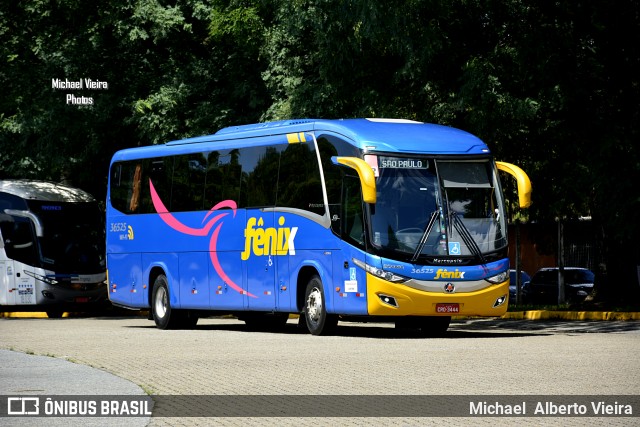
<point>189,177</point>
<point>130,184</point>
<point>250,176</point>
<point>259,176</point>
<point>18,235</point>
<point>160,172</point>
<point>330,146</point>
<point>224,173</point>
<point>124,196</point>
<point>299,184</point>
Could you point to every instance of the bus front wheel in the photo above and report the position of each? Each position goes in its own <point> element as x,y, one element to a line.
<point>318,321</point>
<point>162,313</point>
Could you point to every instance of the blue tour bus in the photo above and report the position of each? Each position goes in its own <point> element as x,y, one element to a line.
<point>365,219</point>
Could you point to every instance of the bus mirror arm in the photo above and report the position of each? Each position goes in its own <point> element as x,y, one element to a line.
<point>367,178</point>
<point>524,184</point>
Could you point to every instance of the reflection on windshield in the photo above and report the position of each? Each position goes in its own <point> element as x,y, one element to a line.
<point>73,238</point>
<point>436,208</point>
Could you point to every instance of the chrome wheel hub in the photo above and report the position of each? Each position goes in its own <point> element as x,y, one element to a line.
<point>161,303</point>
<point>314,305</point>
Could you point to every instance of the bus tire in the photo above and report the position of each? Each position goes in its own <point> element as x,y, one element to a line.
<point>318,321</point>
<point>163,315</point>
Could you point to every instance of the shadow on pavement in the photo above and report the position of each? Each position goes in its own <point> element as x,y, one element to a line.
<point>362,330</point>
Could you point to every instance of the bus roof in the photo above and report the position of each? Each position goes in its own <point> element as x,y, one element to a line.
<point>43,190</point>
<point>383,134</point>
<point>372,135</point>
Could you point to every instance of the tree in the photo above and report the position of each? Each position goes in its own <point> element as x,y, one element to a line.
<point>167,78</point>
<point>552,87</point>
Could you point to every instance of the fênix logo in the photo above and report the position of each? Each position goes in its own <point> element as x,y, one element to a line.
<point>261,241</point>
<point>443,273</point>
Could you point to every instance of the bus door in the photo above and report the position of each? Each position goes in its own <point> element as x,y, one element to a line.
<point>18,246</point>
<point>351,279</point>
<point>259,256</point>
<point>283,292</point>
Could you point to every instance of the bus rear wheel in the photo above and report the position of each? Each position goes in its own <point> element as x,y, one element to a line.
<point>163,315</point>
<point>318,321</point>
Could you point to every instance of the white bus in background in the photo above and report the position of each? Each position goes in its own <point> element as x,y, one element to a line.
<point>52,248</point>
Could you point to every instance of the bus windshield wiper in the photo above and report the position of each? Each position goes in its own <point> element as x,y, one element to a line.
<point>425,236</point>
<point>466,236</point>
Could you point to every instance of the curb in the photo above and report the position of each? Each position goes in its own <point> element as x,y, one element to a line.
<point>571,315</point>
<point>28,314</point>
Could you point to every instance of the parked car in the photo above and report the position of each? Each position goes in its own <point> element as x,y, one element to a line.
<point>543,287</point>
<point>524,277</point>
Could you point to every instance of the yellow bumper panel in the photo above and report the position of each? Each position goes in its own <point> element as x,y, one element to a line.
<point>414,302</point>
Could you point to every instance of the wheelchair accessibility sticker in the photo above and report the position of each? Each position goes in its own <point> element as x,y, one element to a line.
<point>454,248</point>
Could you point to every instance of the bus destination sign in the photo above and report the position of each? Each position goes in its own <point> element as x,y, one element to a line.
<point>403,163</point>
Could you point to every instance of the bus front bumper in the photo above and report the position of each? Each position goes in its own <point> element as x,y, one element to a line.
<point>392,299</point>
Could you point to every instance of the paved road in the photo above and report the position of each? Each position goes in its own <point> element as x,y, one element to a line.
<point>220,357</point>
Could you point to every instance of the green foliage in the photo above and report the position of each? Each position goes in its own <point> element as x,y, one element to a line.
<point>551,86</point>
<point>167,78</point>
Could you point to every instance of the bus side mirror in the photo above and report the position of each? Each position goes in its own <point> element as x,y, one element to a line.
<point>367,178</point>
<point>524,184</point>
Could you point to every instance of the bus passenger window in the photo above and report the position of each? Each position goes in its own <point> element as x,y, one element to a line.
<point>259,169</point>
<point>135,189</point>
<point>299,183</point>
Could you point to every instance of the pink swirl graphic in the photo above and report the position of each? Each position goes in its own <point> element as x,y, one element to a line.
<point>172,222</point>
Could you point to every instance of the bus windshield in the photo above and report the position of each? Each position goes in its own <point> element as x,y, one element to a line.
<point>73,237</point>
<point>436,208</point>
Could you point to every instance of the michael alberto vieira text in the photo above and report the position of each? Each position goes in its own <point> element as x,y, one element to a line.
<point>594,408</point>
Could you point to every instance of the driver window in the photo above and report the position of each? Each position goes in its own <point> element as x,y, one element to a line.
<point>353,223</point>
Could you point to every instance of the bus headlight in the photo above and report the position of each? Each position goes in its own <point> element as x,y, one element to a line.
<point>378,272</point>
<point>498,278</point>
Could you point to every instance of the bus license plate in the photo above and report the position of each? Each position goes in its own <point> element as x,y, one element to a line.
<point>82,299</point>
<point>448,308</point>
